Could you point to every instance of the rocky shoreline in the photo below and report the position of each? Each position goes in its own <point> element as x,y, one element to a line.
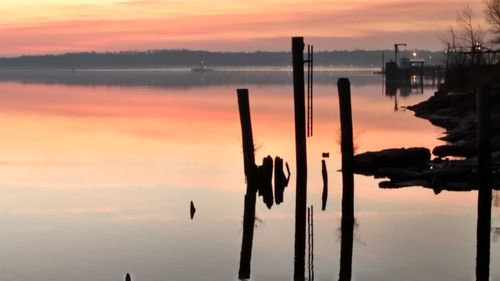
<point>454,165</point>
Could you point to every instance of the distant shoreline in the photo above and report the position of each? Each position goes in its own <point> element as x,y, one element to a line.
<point>187,59</point>
<point>181,77</point>
<point>270,68</point>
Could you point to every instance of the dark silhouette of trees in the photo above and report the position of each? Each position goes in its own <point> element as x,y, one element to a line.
<point>471,33</point>
<point>466,34</point>
<point>190,58</point>
<point>493,18</point>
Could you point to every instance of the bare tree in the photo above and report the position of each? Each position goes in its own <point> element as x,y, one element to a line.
<point>471,34</point>
<point>493,17</point>
<point>449,39</point>
<point>466,33</point>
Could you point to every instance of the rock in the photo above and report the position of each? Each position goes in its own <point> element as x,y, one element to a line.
<point>454,150</point>
<point>397,173</point>
<point>369,162</point>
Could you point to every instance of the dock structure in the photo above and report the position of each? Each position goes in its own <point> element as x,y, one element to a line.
<point>407,68</point>
<point>402,69</point>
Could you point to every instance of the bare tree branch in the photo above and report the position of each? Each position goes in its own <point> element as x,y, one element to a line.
<point>471,34</point>
<point>492,13</point>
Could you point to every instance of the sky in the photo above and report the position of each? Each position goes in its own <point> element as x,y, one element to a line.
<point>59,26</point>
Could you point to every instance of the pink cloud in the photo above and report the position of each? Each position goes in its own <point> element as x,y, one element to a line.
<point>230,31</point>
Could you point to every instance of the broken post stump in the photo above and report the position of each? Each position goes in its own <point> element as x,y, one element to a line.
<point>251,179</point>
<point>280,180</point>
<point>265,185</point>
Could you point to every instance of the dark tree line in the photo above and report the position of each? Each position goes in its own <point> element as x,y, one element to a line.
<point>189,58</point>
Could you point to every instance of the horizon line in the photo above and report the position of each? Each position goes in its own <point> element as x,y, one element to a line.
<point>201,50</point>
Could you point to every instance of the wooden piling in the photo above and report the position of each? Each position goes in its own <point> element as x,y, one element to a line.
<point>301,157</point>
<point>251,177</point>
<point>485,183</point>
<point>347,149</point>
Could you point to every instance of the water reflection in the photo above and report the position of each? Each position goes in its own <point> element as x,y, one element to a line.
<point>496,216</point>
<point>100,178</point>
<point>177,78</point>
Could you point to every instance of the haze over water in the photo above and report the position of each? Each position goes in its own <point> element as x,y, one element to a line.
<point>97,172</point>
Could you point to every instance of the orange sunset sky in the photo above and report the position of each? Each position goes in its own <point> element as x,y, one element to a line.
<point>57,26</point>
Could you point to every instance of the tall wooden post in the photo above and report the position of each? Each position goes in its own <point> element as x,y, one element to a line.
<point>301,157</point>
<point>347,148</point>
<point>485,184</point>
<point>251,192</point>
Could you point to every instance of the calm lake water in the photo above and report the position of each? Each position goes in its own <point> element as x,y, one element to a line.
<point>97,170</point>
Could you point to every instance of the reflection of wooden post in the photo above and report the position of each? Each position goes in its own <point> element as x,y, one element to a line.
<point>324,195</point>
<point>310,241</point>
<point>485,186</point>
<point>346,245</point>
<point>347,148</point>
<point>250,173</point>
<point>301,157</point>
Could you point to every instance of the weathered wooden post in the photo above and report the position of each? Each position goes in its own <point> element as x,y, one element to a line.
<point>301,157</point>
<point>251,192</point>
<point>485,183</point>
<point>347,149</point>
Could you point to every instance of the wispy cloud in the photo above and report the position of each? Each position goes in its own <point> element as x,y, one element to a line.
<point>145,218</point>
<point>147,24</point>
